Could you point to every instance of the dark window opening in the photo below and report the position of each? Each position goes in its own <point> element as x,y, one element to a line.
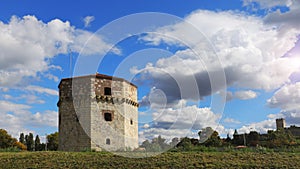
<point>107,91</point>
<point>108,141</point>
<point>107,116</point>
<point>131,122</point>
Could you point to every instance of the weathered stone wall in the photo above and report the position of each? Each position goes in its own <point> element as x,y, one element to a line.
<point>131,120</point>
<point>74,115</point>
<point>90,129</point>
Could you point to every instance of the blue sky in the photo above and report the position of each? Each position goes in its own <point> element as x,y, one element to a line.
<point>247,49</point>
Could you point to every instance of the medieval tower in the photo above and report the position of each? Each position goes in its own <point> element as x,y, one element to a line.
<point>280,123</point>
<point>97,112</point>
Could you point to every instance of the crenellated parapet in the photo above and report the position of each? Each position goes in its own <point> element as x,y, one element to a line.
<point>115,100</point>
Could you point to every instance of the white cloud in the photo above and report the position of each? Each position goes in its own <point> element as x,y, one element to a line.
<point>4,89</point>
<point>40,89</point>
<point>269,4</point>
<point>180,121</point>
<point>145,126</point>
<point>245,95</point>
<point>287,98</point>
<point>88,20</point>
<point>286,20</point>
<point>17,118</point>
<point>231,121</point>
<point>29,98</point>
<point>7,96</point>
<point>251,53</point>
<point>261,127</point>
<point>32,99</point>
<point>52,77</point>
<point>27,44</point>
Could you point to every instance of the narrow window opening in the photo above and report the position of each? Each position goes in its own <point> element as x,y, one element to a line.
<point>107,91</point>
<point>108,141</point>
<point>131,122</point>
<point>107,116</point>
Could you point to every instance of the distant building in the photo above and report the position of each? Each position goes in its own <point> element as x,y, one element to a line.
<point>294,130</point>
<point>280,124</point>
<point>254,138</point>
<point>97,112</point>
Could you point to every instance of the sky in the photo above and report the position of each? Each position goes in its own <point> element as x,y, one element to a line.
<point>224,64</point>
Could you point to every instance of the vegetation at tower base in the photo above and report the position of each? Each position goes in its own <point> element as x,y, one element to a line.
<point>52,141</point>
<point>188,153</point>
<point>29,142</point>
<point>6,140</point>
<point>209,140</point>
<point>8,143</point>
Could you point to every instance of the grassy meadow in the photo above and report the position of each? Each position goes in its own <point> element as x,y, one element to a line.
<point>165,160</point>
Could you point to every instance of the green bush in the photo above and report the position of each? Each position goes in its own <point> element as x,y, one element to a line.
<point>10,149</point>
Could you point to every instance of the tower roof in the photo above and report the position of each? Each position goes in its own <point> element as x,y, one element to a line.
<point>99,76</point>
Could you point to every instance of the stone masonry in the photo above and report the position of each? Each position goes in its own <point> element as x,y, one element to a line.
<point>97,112</point>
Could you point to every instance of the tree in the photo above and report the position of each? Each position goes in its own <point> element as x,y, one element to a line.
<point>253,138</point>
<point>146,144</point>
<point>22,138</point>
<point>26,139</point>
<point>214,140</point>
<point>238,139</point>
<point>37,143</point>
<point>6,140</point>
<point>52,141</point>
<point>185,144</point>
<point>227,141</point>
<point>174,142</point>
<point>161,142</point>
<point>280,138</point>
<point>30,142</point>
<point>204,134</point>
<point>20,145</point>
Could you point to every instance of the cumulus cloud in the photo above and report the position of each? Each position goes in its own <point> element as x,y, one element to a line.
<point>245,95</point>
<point>231,121</point>
<point>145,126</point>
<point>51,77</point>
<point>286,20</point>
<point>241,95</point>
<point>269,4</point>
<point>251,52</point>
<point>261,127</point>
<point>17,118</point>
<point>41,90</point>
<point>180,121</point>
<point>27,44</point>
<point>32,99</point>
<point>88,20</point>
<point>287,99</point>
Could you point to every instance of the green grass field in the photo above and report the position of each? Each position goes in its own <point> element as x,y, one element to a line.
<point>166,160</point>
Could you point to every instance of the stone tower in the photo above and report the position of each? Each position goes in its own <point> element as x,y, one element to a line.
<point>97,112</point>
<point>280,123</point>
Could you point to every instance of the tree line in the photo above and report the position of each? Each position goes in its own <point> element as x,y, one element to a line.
<point>28,142</point>
<point>207,138</point>
<point>210,138</point>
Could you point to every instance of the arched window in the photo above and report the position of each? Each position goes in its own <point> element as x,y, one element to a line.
<point>108,141</point>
